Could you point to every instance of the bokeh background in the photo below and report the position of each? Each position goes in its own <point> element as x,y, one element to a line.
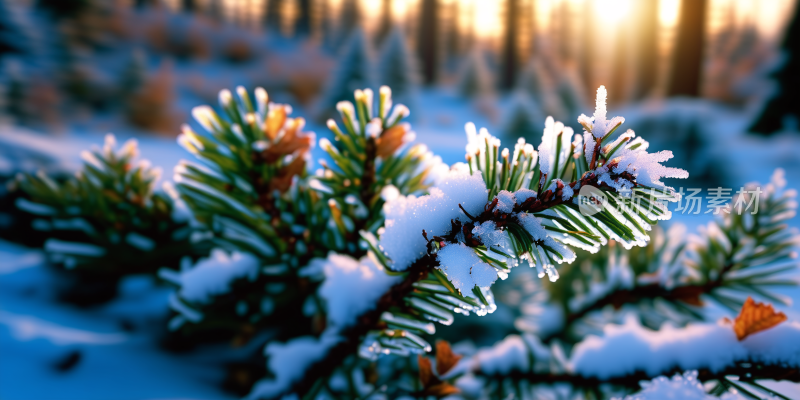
<point>698,74</point>
<point>716,81</point>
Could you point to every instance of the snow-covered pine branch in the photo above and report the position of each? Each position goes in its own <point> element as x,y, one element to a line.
<point>724,262</point>
<point>486,216</point>
<point>617,361</point>
<point>244,190</point>
<point>107,221</point>
<point>505,208</point>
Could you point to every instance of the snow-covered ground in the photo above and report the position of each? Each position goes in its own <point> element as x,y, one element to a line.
<point>49,350</point>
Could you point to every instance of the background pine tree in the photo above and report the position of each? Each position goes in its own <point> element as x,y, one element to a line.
<point>784,105</point>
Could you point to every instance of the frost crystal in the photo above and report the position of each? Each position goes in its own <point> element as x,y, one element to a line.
<point>589,145</point>
<point>646,167</point>
<point>598,124</point>
<point>464,269</point>
<point>407,217</point>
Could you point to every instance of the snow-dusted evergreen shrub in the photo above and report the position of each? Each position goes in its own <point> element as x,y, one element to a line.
<point>523,118</point>
<point>251,189</point>
<point>397,68</point>
<point>107,221</point>
<point>539,84</point>
<point>610,320</point>
<point>475,79</point>
<point>353,71</point>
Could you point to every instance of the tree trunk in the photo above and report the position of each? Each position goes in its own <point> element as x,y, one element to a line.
<point>303,24</point>
<point>586,52</point>
<point>427,46</point>
<point>687,59</point>
<point>619,88</point>
<point>386,23</point>
<point>646,45</point>
<point>510,59</point>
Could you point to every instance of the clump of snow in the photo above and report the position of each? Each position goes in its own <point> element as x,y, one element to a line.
<point>352,287</point>
<point>505,201</point>
<point>489,235</point>
<point>464,268</point>
<point>407,217</point>
<point>289,362</point>
<point>697,346</point>
<point>524,194</point>
<point>533,225</point>
<point>213,275</point>
<point>685,387</point>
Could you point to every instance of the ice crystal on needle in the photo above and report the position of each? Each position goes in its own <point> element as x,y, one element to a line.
<point>597,124</point>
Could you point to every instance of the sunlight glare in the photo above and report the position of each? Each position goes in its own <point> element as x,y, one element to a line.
<point>613,10</point>
<point>668,12</point>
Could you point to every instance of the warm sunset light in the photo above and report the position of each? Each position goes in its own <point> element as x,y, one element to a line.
<point>668,12</point>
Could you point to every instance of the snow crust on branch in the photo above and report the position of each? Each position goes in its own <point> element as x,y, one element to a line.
<point>352,287</point>
<point>464,269</point>
<point>408,216</point>
<point>289,362</point>
<point>625,349</point>
<point>512,354</point>
<point>213,275</point>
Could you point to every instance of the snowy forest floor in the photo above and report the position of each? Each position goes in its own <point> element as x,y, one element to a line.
<point>51,350</point>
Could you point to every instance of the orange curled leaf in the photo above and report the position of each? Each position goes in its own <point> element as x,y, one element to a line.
<point>425,371</point>
<point>290,143</point>
<point>276,117</point>
<point>756,317</point>
<point>441,389</point>
<point>390,140</point>
<point>445,358</point>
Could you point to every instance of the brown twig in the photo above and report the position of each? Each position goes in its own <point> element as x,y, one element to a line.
<point>742,369</point>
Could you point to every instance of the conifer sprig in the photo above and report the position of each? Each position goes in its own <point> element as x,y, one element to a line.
<point>535,225</point>
<point>245,190</point>
<point>108,221</point>
<point>370,154</point>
